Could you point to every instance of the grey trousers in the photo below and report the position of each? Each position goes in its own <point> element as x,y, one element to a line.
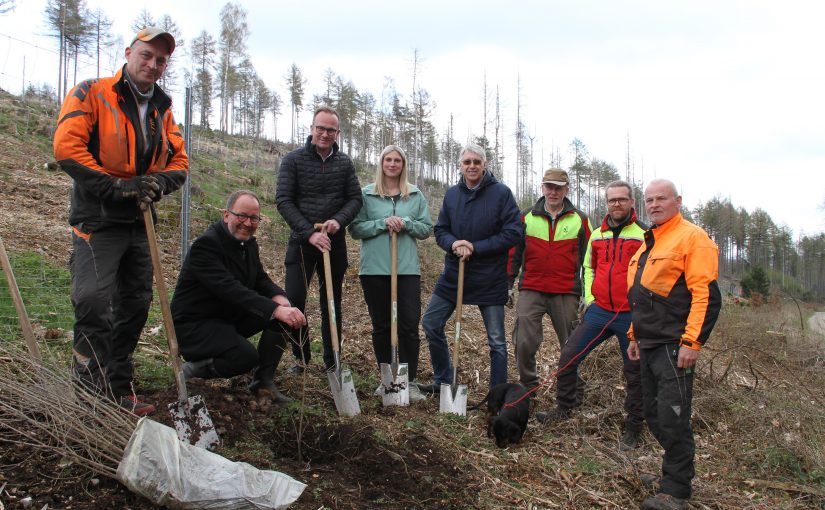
<point>529,335</point>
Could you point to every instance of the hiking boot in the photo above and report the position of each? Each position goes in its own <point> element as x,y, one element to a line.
<point>415,393</point>
<point>268,391</point>
<point>629,441</point>
<point>664,501</point>
<point>429,389</point>
<point>555,415</point>
<point>296,369</point>
<point>199,369</point>
<point>133,405</point>
<point>649,481</point>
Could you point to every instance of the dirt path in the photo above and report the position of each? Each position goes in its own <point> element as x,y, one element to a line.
<point>817,323</point>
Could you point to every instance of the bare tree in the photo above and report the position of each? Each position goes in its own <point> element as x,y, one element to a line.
<point>275,108</point>
<point>234,33</point>
<point>144,19</point>
<point>67,20</point>
<point>170,75</point>
<point>203,57</point>
<point>103,39</point>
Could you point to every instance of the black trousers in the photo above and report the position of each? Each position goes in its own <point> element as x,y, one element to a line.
<point>377,294</point>
<point>111,293</point>
<point>668,393</point>
<point>228,345</point>
<point>301,262</point>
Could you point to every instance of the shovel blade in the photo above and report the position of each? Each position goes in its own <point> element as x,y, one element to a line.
<point>193,423</point>
<point>453,403</point>
<point>396,389</point>
<point>343,392</point>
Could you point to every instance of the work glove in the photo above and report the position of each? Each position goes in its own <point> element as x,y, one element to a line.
<point>143,188</point>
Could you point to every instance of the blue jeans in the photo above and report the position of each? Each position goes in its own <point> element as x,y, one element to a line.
<point>433,322</point>
<point>599,325</point>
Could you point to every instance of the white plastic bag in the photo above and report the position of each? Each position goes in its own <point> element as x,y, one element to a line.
<point>167,471</point>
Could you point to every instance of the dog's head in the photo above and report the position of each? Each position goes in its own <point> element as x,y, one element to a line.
<point>505,431</point>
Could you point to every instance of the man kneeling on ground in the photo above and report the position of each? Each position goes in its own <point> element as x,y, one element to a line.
<point>224,296</point>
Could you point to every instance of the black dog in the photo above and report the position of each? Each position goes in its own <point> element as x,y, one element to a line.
<point>508,408</point>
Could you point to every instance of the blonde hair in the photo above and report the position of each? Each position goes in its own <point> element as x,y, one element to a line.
<point>403,185</point>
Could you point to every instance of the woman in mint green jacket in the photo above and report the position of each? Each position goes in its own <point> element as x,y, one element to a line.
<point>391,204</point>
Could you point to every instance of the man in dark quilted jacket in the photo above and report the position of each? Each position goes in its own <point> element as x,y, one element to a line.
<point>317,185</point>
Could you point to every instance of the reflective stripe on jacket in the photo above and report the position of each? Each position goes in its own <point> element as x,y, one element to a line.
<point>674,295</point>
<point>605,263</point>
<point>98,138</point>
<point>551,254</point>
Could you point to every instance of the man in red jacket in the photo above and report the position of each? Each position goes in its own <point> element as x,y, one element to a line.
<point>608,313</point>
<point>550,258</point>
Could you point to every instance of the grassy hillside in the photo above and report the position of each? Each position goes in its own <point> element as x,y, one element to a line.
<point>758,406</point>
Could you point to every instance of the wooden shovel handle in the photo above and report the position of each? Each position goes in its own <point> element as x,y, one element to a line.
<point>333,330</point>
<point>394,290</point>
<point>14,290</point>
<point>459,310</point>
<point>168,324</point>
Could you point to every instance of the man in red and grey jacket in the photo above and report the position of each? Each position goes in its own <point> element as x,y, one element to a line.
<point>550,258</point>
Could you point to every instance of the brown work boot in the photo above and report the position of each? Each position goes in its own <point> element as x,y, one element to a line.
<point>664,501</point>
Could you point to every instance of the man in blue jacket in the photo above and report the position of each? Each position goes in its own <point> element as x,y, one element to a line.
<point>478,223</point>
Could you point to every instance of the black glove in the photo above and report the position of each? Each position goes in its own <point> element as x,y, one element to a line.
<point>143,188</point>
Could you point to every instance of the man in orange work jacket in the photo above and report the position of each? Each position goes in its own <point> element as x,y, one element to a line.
<point>675,301</point>
<point>118,141</point>
<point>550,258</point>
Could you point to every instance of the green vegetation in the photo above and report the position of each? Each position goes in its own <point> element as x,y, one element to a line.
<point>756,282</point>
<point>45,289</point>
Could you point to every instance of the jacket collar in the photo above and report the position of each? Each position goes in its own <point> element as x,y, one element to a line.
<point>671,224</point>
<point>567,207</point>
<point>161,101</point>
<point>309,146</point>
<point>229,239</point>
<point>369,189</point>
<point>630,219</point>
<point>486,180</point>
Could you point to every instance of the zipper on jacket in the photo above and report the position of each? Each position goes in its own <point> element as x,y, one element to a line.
<point>128,146</point>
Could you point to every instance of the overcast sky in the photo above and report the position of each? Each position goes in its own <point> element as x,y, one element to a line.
<point>723,97</point>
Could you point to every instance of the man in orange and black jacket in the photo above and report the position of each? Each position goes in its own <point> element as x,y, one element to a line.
<point>675,302</point>
<point>118,141</point>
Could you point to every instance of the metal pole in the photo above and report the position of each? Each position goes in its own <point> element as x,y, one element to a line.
<point>184,205</point>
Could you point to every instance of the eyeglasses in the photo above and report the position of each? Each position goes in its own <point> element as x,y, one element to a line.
<point>618,201</point>
<point>468,162</point>
<point>254,219</point>
<point>327,130</point>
